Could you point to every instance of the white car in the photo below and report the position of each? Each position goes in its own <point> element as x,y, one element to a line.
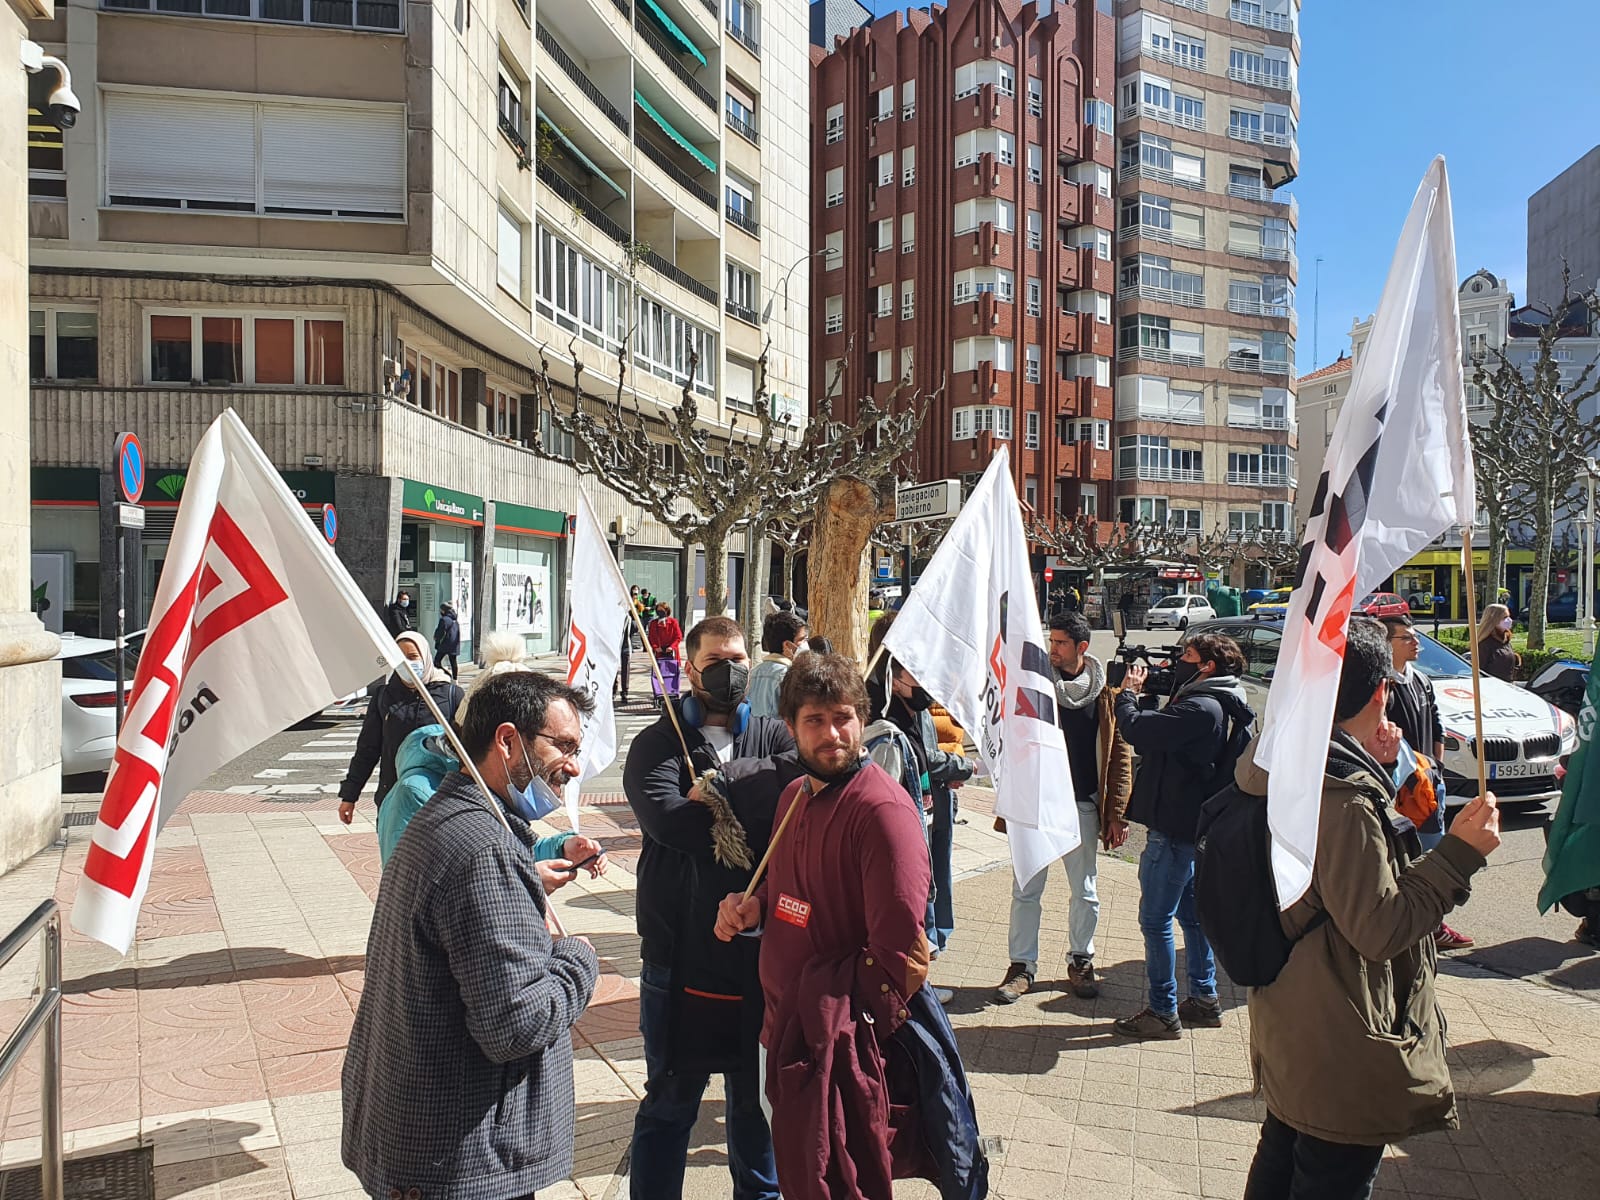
<point>1526,739</point>
<point>89,699</point>
<point>1178,612</point>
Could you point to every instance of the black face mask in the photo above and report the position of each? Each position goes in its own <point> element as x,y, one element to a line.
<point>722,685</point>
<point>918,700</point>
<point>1182,672</point>
<point>831,778</point>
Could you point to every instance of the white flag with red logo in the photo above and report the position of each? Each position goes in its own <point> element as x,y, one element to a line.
<point>970,633</point>
<point>1398,473</point>
<point>255,625</point>
<point>600,614</point>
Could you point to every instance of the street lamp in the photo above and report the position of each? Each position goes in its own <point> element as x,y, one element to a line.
<point>766,313</point>
<point>1590,470</point>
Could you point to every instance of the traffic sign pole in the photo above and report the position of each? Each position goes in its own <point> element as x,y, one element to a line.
<point>128,467</point>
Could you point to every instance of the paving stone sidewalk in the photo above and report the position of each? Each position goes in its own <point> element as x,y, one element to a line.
<point>218,1041</point>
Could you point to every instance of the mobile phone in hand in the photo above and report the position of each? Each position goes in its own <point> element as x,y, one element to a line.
<point>578,866</point>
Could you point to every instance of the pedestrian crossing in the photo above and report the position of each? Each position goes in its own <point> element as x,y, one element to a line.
<point>320,763</point>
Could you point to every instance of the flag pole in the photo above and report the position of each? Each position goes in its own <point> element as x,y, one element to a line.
<point>1477,669</point>
<point>666,702</point>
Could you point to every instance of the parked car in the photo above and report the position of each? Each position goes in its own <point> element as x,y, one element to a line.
<point>1178,612</point>
<point>1273,604</point>
<point>89,699</point>
<point>1383,604</point>
<point>1527,739</point>
<point>1563,607</point>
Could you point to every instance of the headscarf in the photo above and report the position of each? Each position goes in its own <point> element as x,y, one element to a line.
<point>430,673</point>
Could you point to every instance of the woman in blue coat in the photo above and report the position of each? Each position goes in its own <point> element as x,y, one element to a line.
<point>447,640</point>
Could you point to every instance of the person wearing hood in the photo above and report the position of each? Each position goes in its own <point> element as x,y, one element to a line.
<point>783,635</point>
<point>424,759</point>
<point>392,713</point>
<point>447,640</point>
<point>1182,761</point>
<point>397,614</point>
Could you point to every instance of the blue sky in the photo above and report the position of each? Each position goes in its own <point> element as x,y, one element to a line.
<point>1387,84</point>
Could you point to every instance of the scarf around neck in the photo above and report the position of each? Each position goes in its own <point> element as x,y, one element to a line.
<point>1084,688</point>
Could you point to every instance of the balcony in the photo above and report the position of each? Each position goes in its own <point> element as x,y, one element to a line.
<point>1251,14</point>
<point>666,54</point>
<point>743,220</point>
<point>576,73</point>
<point>1254,364</point>
<point>1195,5</point>
<point>743,128</point>
<point>1265,79</point>
<point>1142,171</point>
<point>679,276</point>
<point>1257,250</point>
<point>744,34</point>
<point>1161,354</point>
<point>1164,413</point>
<point>1262,478</point>
<point>1250,191</point>
<point>1158,474</point>
<point>581,204</point>
<point>1257,308</point>
<point>1166,115</point>
<point>1155,233</point>
<point>676,173</point>
<point>1173,59</point>
<point>1161,295</point>
<point>747,315</point>
<point>512,134</point>
<point>382,15</point>
<point>1255,421</point>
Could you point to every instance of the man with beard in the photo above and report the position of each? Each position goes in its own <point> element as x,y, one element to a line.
<point>843,962</point>
<point>700,999</point>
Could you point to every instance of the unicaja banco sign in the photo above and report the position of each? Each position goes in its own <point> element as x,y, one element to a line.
<point>427,500</point>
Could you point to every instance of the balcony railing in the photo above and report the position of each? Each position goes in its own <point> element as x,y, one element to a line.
<point>1166,414</point>
<point>1157,113</point>
<point>1257,308</point>
<point>676,173</point>
<point>1161,354</point>
<point>665,53</point>
<point>745,314</point>
<point>1266,79</point>
<point>1250,191</point>
<point>622,7</point>
<point>548,176</point>
<point>366,14</point>
<point>745,130</point>
<point>1143,171</point>
<point>1262,478</point>
<point>1188,62</point>
<point>833,323</point>
<point>1255,365</point>
<point>1162,295</point>
<point>512,134</point>
<point>1257,250</point>
<point>585,85</point>
<point>748,38</point>
<point>1244,133</point>
<point>737,216</point>
<point>1155,233</point>
<point>1196,5</point>
<point>679,276</point>
<point>1256,421</point>
<point>1163,474</point>
<point>1245,15</point>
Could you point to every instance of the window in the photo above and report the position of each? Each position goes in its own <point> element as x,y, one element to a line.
<point>1149,510</point>
<point>1030,426</point>
<point>1275,516</point>
<point>905,364</point>
<point>885,104</point>
<point>1477,344</point>
<point>1089,499</point>
<point>908,232</point>
<point>1145,456</point>
<point>47,162</point>
<point>1031,372</point>
<point>969,352</point>
<point>363,14</point>
<point>833,377</point>
<point>268,157</point>
<point>1189,51</point>
<point>908,299</point>
<point>63,343</point>
<point>1035,230</point>
<point>1035,163</point>
<point>970,214</point>
<point>974,143</point>
<point>1244,125</point>
<point>908,166</point>
<point>833,250</point>
<point>1184,520</point>
<point>662,344</point>
<point>884,306</point>
<point>885,373</point>
<point>834,187</point>
<point>834,130</point>
<point>981,418</point>
<point>505,413</point>
<point>973,75</point>
<point>1100,115</point>
<point>1035,96</point>
<point>1030,491</point>
<point>513,114</point>
<point>833,314</point>
<point>908,99</point>
<point>579,294</point>
<point>1243,521</point>
<point>1035,297</point>
<point>246,348</point>
<point>883,238</point>
<point>744,22</point>
<point>742,292</point>
<point>739,202</point>
<point>886,169</point>
<point>510,252</point>
<point>975,281</point>
<point>1188,111</point>
<point>1277,125</point>
<point>741,116</point>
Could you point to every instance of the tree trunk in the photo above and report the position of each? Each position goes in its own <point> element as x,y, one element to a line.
<point>757,567</point>
<point>1544,533</point>
<point>714,541</point>
<point>1497,553</point>
<point>837,578</point>
<point>790,553</point>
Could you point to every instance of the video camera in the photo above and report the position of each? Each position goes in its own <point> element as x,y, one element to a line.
<point>1158,659</point>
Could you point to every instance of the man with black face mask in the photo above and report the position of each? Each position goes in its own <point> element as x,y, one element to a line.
<point>700,999</point>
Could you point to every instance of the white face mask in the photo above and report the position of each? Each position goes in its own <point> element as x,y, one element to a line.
<point>417,668</point>
<point>800,647</point>
<point>1508,624</point>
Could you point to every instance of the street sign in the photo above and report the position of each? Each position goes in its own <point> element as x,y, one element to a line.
<point>1049,574</point>
<point>928,501</point>
<point>130,516</point>
<point>885,566</point>
<point>330,523</point>
<point>130,467</point>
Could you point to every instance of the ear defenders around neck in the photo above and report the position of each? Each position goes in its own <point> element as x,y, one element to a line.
<point>695,714</point>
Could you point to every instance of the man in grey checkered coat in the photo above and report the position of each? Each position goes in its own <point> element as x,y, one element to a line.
<point>458,1078</point>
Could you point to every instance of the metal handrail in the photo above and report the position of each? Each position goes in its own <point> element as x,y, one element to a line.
<point>578,76</point>
<point>44,1016</point>
<point>667,55</point>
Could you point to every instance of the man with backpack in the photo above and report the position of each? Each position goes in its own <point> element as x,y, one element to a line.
<point>1347,1038</point>
<point>1187,751</point>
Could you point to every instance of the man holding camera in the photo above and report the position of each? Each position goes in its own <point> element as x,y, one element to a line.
<point>1102,776</point>
<point>1184,757</point>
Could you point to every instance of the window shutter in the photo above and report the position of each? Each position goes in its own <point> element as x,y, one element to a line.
<point>332,159</point>
<point>174,148</point>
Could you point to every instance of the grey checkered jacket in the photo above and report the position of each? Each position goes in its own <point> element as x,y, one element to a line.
<point>458,1077</point>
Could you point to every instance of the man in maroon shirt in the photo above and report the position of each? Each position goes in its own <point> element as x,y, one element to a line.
<point>843,948</point>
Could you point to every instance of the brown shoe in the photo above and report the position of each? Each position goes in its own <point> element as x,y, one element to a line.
<point>1198,1011</point>
<point>1015,985</point>
<point>1147,1026</point>
<point>1081,978</point>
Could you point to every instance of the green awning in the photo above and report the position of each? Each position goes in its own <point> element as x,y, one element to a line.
<point>676,34</point>
<point>666,127</point>
<point>580,155</point>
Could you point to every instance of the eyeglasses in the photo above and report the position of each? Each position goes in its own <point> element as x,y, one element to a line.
<point>1406,637</point>
<point>566,747</point>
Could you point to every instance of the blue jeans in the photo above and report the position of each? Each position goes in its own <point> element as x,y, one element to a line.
<point>671,1104</point>
<point>941,917</point>
<point>1166,890</point>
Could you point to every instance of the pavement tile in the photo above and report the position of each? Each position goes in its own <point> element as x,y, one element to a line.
<point>190,1085</point>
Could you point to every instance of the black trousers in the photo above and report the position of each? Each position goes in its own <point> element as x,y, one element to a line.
<point>455,667</point>
<point>1290,1165</point>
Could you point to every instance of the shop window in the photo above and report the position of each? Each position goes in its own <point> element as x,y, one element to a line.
<point>246,349</point>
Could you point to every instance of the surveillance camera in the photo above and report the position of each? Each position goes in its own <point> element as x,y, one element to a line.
<point>63,106</point>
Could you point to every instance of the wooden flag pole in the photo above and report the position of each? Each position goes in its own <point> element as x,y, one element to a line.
<point>1477,669</point>
<point>666,701</point>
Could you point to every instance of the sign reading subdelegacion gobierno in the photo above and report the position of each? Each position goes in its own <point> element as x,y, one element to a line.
<point>928,501</point>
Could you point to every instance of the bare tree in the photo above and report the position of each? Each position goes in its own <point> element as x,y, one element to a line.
<point>1547,437</point>
<point>1089,544</point>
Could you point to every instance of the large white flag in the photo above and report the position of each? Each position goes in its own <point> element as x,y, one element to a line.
<point>600,608</point>
<point>255,624</point>
<point>1397,474</point>
<point>970,632</point>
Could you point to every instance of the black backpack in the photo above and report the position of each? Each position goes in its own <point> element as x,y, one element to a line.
<point>1240,720</point>
<point>1234,894</point>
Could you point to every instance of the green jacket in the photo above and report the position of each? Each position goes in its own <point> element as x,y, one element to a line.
<point>422,762</point>
<point>1348,1043</point>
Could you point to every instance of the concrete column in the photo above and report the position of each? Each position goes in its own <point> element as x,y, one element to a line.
<point>30,683</point>
<point>80,142</point>
<point>369,533</point>
<point>483,585</point>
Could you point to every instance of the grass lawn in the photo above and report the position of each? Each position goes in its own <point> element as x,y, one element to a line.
<point>1559,642</point>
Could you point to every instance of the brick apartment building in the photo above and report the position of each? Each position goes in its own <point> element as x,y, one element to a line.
<point>963,217</point>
